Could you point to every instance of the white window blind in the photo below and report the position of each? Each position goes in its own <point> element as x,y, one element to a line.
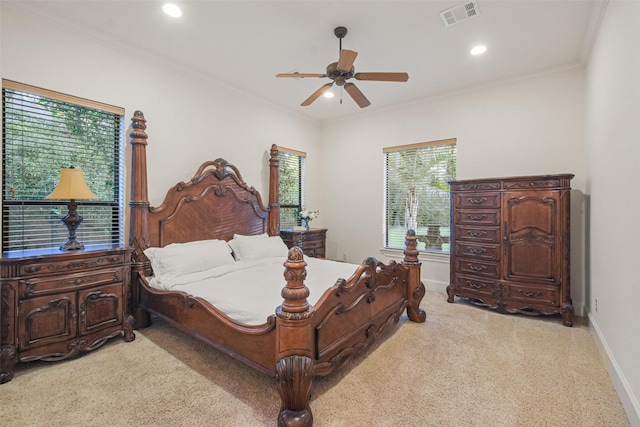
<point>417,193</point>
<point>44,132</point>
<point>291,186</point>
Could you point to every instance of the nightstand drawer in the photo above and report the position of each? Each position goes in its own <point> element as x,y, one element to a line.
<point>64,283</point>
<point>312,242</point>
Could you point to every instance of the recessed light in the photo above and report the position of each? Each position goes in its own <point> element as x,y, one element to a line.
<point>477,50</point>
<point>172,10</point>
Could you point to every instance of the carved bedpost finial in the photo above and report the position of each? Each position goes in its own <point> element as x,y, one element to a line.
<point>411,245</point>
<point>295,305</point>
<point>138,126</point>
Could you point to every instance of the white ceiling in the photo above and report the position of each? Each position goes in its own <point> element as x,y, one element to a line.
<point>243,44</point>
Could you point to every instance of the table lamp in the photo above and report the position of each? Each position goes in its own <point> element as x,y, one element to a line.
<point>72,186</point>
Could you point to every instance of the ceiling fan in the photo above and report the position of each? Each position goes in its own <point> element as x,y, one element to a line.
<point>342,71</point>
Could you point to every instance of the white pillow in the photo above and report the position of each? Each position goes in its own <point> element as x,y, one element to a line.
<point>177,259</point>
<point>249,249</point>
<point>252,236</point>
<point>235,246</point>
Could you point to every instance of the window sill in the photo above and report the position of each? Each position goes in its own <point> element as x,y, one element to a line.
<point>440,257</point>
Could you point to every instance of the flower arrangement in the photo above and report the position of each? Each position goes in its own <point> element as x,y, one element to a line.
<point>307,216</point>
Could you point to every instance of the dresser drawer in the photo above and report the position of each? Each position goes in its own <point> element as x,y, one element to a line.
<point>477,287</point>
<point>477,268</point>
<point>533,295</point>
<point>65,283</point>
<point>536,183</point>
<point>475,186</point>
<point>69,266</point>
<point>477,250</point>
<point>476,200</point>
<point>477,234</point>
<point>477,217</point>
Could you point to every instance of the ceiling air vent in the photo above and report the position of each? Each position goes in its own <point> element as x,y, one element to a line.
<point>459,13</point>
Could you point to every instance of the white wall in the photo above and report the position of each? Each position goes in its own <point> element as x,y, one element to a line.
<point>190,119</point>
<point>613,147</point>
<point>528,127</point>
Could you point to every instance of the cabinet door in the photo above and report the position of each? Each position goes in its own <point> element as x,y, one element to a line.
<point>100,308</point>
<point>531,237</point>
<point>47,320</point>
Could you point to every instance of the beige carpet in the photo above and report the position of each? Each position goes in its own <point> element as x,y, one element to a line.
<point>465,366</point>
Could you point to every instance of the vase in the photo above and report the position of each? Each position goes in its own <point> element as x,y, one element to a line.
<point>305,224</point>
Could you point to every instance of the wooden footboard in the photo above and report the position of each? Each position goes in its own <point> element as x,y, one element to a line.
<point>346,320</point>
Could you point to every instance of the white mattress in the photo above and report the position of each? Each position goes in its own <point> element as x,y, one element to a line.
<point>229,286</point>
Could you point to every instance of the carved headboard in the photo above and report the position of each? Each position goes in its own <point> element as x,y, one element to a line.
<point>214,204</point>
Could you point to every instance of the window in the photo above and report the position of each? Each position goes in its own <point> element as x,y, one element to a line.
<point>291,186</point>
<point>44,132</point>
<point>417,193</point>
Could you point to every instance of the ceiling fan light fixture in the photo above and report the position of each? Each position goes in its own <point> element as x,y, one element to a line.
<point>172,10</point>
<point>341,71</point>
<point>478,50</point>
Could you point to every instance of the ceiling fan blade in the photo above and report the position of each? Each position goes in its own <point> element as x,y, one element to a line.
<point>383,77</point>
<point>346,60</point>
<point>300,75</point>
<point>357,96</point>
<point>315,95</point>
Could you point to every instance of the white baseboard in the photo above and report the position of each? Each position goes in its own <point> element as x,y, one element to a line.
<point>628,399</point>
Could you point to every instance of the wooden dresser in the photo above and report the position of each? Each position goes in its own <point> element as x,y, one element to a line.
<point>510,244</point>
<point>312,241</point>
<point>55,304</point>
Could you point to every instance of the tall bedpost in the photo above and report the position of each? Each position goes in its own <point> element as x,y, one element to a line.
<point>415,288</point>
<point>138,214</point>
<point>294,345</point>
<point>274,204</point>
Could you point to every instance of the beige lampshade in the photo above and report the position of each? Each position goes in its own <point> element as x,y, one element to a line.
<point>72,185</point>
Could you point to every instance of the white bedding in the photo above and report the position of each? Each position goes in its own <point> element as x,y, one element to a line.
<point>228,287</point>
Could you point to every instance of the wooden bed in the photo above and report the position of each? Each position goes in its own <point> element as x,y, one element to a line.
<point>298,341</point>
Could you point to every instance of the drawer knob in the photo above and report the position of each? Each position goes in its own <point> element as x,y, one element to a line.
<point>476,217</point>
<point>475,285</point>
<point>477,201</point>
<point>476,250</point>
<point>477,233</point>
<point>530,294</point>
<point>477,268</point>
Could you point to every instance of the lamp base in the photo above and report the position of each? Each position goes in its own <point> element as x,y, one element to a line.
<point>72,220</point>
<point>72,245</point>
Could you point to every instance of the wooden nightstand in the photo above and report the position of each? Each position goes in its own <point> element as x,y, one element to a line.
<point>58,304</point>
<point>312,242</point>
